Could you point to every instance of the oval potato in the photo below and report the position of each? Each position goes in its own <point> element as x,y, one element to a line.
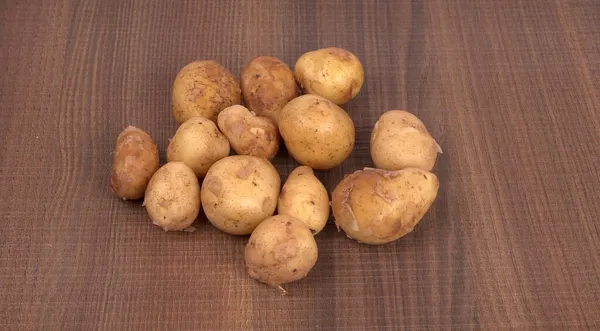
<point>305,198</point>
<point>173,197</point>
<point>282,249</point>
<point>333,73</point>
<point>267,85</point>
<point>203,88</point>
<point>134,162</point>
<point>249,134</point>
<point>316,132</point>
<point>400,140</point>
<point>198,143</point>
<point>377,206</point>
<point>239,192</point>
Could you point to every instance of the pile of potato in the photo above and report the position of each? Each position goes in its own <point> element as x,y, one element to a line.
<point>240,193</point>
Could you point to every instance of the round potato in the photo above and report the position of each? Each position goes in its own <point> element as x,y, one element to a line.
<point>333,73</point>
<point>305,198</point>
<point>400,140</point>
<point>203,88</point>
<point>198,143</point>
<point>239,192</point>
<point>316,132</point>
<point>377,206</point>
<point>134,162</point>
<point>281,250</point>
<point>267,84</point>
<point>249,134</point>
<point>173,197</point>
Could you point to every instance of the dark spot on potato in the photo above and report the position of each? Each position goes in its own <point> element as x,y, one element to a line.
<point>424,176</point>
<point>257,75</point>
<point>295,270</point>
<point>288,223</point>
<point>312,202</point>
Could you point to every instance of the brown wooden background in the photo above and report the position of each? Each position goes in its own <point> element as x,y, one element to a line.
<point>510,89</point>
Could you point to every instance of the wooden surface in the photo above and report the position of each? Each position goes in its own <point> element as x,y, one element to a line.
<point>510,89</point>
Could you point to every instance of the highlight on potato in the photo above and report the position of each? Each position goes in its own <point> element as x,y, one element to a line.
<point>203,88</point>
<point>172,198</point>
<point>304,197</point>
<point>267,85</point>
<point>249,134</point>
<point>198,143</point>
<point>333,73</point>
<point>135,160</point>
<point>239,192</point>
<point>316,132</point>
<point>376,206</point>
<point>400,140</point>
<point>281,250</point>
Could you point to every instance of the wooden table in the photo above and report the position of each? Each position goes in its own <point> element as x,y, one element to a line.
<point>510,89</point>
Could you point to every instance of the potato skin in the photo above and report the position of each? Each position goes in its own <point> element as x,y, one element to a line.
<point>134,162</point>
<point>333,73</point>
<point>281,250</point>
<point>316,132</point>
<point>377,206</point>
<point>267,85</point>
<point>203,88</point>
<point>400,140</point>
<point>173,197</point>
<point>249,134</point>
<point>239,192</point>
<point>198,143</point>
<point>305,198</point>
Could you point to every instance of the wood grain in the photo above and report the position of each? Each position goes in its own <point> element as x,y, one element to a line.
<point>510,89</point>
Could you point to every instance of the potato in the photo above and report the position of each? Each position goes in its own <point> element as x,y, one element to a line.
<point>305,198</point>
<point>316,132</point>
<point>400,140</point>
<point>267,85</point>
<point>378,206</point>
<point>203,88</point>
<point>239,192</point>
<point>173,197</point>
<point>281,250</point>
<point>134,162</point>
<point>333,73</point>
<point>198,143</point>
<point>249,134</point>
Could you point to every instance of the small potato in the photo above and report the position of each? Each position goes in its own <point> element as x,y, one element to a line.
<point>377,206</point>
<point>333,73</point>
<point>400,140</point>
<point>304,197</point>
<point>249,134</point>
<point>239,192</point>
<point>267,84</point>
<point>203,88</point>
<point>135,161</point>
<point>316,132</point>
<point>281,250</point>
<point>173,197</point>
<point>198,143</point>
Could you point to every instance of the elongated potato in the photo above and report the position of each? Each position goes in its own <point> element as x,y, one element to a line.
<point>304,197</point>
<point>333,73</point>
<point>134,162</point>
<point>267,85</point>
<point>198,143</point>
<point>203,88</point>
<point>377,206</point>
<point>281,250</point>
<point>249,134</point>
<point>173,197</point>
<point>400,140</point>
<point>316,132</point>
<point>239,192</point>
